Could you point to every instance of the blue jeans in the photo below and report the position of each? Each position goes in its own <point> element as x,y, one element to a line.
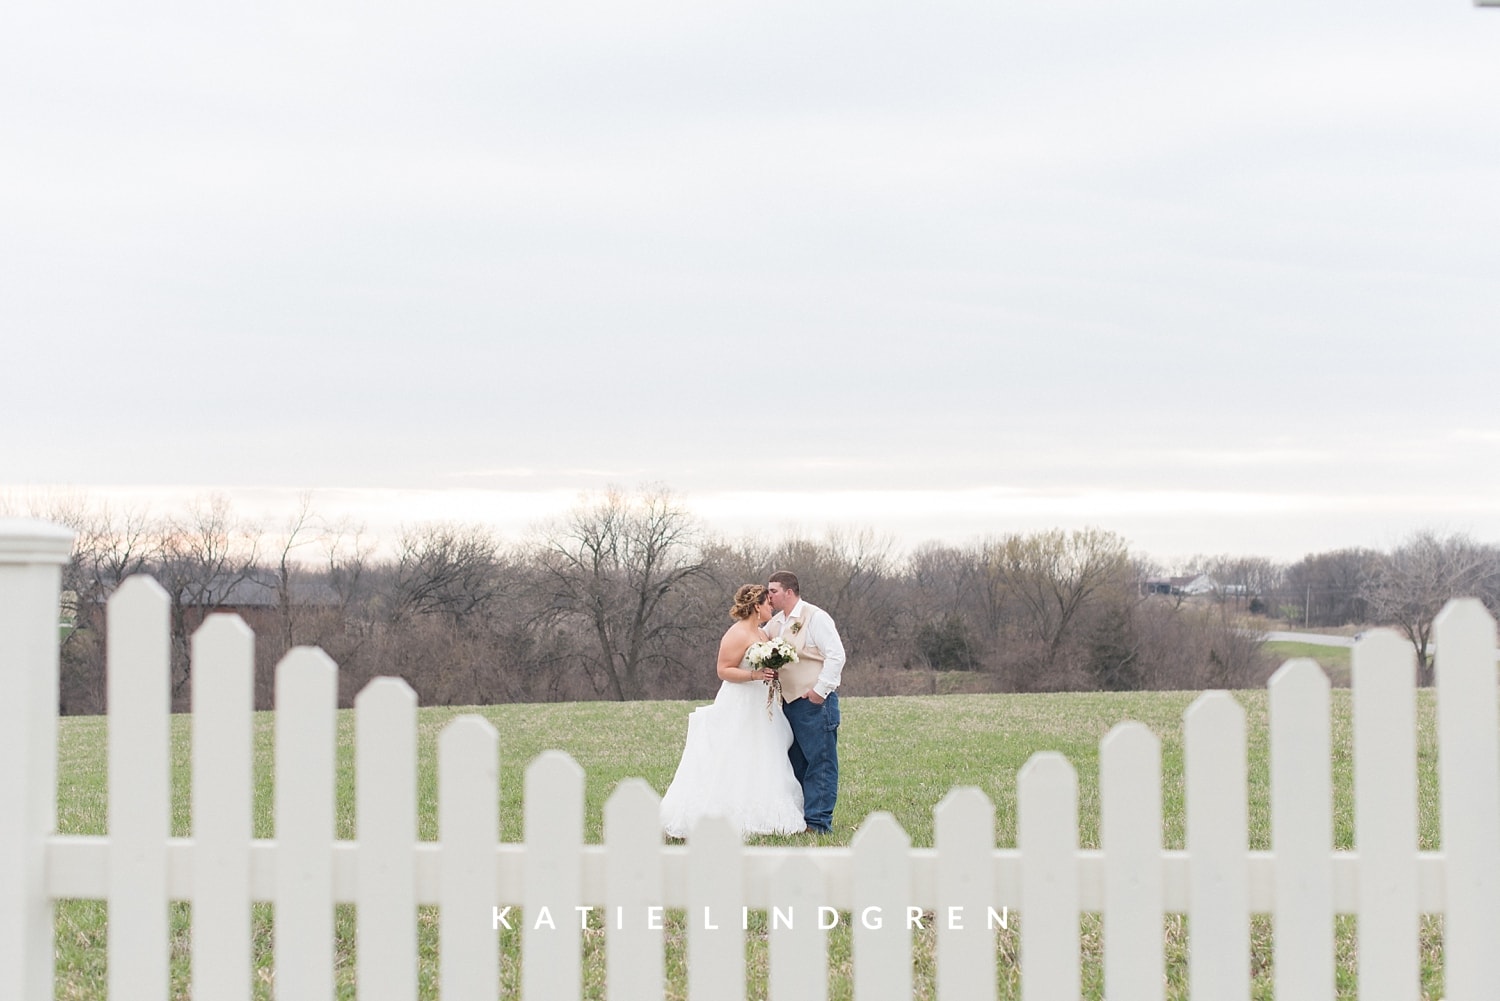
<point>815,757</point>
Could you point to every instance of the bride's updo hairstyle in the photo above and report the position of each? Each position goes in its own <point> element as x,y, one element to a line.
<point>746,599</point>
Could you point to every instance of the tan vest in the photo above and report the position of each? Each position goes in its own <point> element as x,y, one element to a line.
<point>798,679</point>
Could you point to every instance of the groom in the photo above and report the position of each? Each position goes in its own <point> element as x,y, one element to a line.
<point>810,689</point>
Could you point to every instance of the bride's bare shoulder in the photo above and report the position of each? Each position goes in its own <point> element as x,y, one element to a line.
<point>738,636</point>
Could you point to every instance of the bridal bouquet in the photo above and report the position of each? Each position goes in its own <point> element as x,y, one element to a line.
<point>774,654</point>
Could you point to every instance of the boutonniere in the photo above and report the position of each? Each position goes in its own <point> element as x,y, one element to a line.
<point>796,627</point>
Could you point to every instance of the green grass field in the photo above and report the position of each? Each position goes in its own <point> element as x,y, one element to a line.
<point>897,754</point>
<point>1334,659</point>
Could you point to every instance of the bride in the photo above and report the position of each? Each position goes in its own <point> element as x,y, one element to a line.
<point>735,763</point>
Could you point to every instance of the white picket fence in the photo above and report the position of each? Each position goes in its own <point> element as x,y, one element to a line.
<point>1047,881</point>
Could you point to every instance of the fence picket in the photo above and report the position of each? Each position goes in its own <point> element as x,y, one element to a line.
<point>31,558</point>
<point>306,697</point>
<point>223,798</point>
<point>1130,833</point>
<point>1047,835</point>
<point>1217,844</point>
<point>1469,768</point>
<point>634,915</point>
<point>385,749</point>
<point>468,824</point>
<point>798,954</point>
<point>139,691</point>
<point>964,837</point>
<point>1302,831</point>
<point>882,883</point>
<point>715,894</point>
<point>1385,816</point>
<point>553,886</point>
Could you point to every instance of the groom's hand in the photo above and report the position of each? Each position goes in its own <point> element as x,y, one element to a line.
<point>815,698</point>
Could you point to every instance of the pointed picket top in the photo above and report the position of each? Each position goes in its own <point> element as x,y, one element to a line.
<point>138,592</point>
<point>880,831</point>
<point>468,735</point>
<point>1464,629</point>
<point>1046,800</point>
<point>1382,651</point>
<point>306,660</point>
<point>550,772</point>
<point>1043,767</point>
<point>633,804</point>
<point>304,669</point>
<point>386,692</point>
<point>221,631</point>
<point>962,806</point>
<point>1131,740</point>
<point>1212,710</point>
<point>1301,676</point>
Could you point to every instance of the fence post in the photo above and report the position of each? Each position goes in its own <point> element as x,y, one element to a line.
<point>31,558</point>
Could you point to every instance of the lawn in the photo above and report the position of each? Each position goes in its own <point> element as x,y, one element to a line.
<point>898,754</point>
<point>1334,659</point>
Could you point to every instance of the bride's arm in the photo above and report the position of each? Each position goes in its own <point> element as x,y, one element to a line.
<point>731,652</point>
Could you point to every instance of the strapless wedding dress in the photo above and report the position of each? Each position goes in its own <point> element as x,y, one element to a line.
<point>735,765</point>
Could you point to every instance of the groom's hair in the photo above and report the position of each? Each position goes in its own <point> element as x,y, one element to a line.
<point>787,580</point>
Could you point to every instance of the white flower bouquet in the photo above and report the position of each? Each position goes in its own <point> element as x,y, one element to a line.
<point>772,654</point>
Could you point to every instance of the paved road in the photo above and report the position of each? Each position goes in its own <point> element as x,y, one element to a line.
<point>1320,639</point>
<point>1315,639</point>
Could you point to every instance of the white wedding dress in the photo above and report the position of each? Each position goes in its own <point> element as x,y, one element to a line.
<point>735,765</point>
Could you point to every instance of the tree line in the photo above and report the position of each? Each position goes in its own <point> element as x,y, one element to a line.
<point>626,595</point>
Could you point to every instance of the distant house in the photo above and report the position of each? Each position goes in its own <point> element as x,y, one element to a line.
<point>1191,585</point>
<point>254,595</point>
<point>1201,584</point>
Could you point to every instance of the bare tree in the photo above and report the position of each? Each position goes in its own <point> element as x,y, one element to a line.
<point>1050,576</point>
<point>1327,589</point>
<point>206,555</point>
<point>446,569</point>
<point>1411,584</point>
<point>617,567</point>
<point>300,530</point>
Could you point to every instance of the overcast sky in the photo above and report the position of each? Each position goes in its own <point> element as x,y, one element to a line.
<point>1220,277</point>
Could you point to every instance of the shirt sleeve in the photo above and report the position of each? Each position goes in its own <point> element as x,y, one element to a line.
<point>826,635</point>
